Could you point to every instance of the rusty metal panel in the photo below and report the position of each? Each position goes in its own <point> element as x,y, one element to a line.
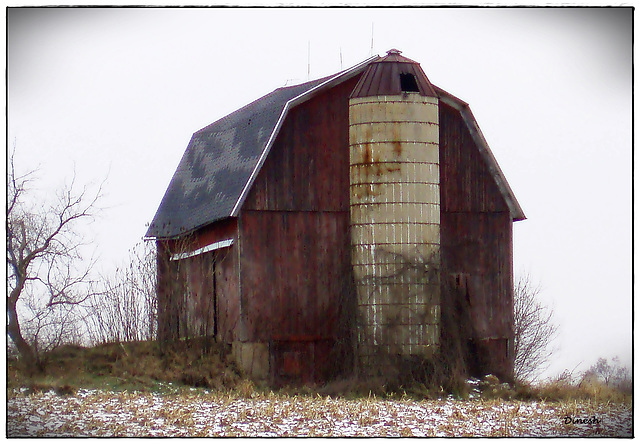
<point>375,81</point>
<point>382,77</point>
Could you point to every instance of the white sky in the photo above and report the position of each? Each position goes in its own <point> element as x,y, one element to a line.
<point>117,93</point>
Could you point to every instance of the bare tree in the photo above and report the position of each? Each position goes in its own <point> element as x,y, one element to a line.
<point>45,265</point>
<point>612,374</point>
<point>533,330</point>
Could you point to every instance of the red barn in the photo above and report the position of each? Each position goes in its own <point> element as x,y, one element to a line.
<point>329,224</point>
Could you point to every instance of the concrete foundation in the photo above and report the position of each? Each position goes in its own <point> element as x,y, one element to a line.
<point>252,359</point>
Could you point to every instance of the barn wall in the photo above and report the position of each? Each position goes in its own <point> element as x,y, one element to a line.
<point>295,260</point>
<point>198,295</point>
<point>185,297</point>
<point>294,289</point>
<point>227,293</point>
<point>308,166</point>
<point>167,321</point>
<point>476,240</point>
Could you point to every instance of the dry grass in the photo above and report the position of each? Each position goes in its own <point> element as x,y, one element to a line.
<point>199,412</point>
<point>130,366</point>
<point>564,390</point>
<point>136,390</point>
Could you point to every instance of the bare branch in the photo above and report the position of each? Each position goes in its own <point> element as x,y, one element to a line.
<point>44,244</point>
<point>533,330</point>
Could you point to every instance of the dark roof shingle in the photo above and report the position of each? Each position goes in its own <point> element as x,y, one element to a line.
<point>218,163</point>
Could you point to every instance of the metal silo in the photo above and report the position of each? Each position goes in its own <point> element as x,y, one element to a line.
<point>395,210</point>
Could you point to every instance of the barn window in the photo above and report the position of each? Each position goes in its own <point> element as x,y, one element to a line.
<point>408,83</point>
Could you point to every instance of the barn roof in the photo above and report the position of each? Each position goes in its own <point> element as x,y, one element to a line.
<point>222,159</point>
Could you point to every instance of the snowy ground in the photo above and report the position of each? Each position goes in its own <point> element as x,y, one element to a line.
<point>91,413</point>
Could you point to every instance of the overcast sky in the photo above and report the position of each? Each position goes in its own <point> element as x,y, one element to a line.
<point>117,93</point>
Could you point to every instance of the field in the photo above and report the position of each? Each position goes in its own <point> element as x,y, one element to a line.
<point>95,413</point>
<point>101,393</point>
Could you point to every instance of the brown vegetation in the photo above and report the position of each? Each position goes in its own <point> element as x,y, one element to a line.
<point>192,389</point>
<point>534,331</point>
<point>130,366</point>
<point>144,366</point>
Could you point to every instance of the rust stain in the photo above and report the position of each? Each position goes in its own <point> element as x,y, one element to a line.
<point>367,153</point>
<point>397,145</point>
<point>406,302</point>
<point>393,169</point>
<point>397,148</point>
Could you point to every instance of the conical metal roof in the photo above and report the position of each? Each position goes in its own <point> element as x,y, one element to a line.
<point>393,75</point>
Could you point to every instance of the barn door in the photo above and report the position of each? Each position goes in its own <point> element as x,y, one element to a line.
<point>198,311</point>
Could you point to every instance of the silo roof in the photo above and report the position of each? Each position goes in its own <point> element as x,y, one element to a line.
<point>384,77</point>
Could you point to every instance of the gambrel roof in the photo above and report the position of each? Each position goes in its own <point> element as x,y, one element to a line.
<point>223,159</point>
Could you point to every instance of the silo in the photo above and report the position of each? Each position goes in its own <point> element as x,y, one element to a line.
<point>395,210</point>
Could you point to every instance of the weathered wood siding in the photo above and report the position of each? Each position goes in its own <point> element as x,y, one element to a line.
<point>476,240</point>
<point>308,166</point>
<point>292,285</point>
<point>198,295</point>
<point>186,306</point>
<point>296,278</point>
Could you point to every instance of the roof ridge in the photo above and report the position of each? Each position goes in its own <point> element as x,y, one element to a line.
<point>261,98</point>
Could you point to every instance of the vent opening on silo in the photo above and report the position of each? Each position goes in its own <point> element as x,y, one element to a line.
<point>408,83</point>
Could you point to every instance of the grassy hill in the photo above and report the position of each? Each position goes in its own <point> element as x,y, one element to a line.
<point>145,367</point>
<point>141,366</point>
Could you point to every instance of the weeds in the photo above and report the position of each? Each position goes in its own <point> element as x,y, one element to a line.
<point>142,366</point>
